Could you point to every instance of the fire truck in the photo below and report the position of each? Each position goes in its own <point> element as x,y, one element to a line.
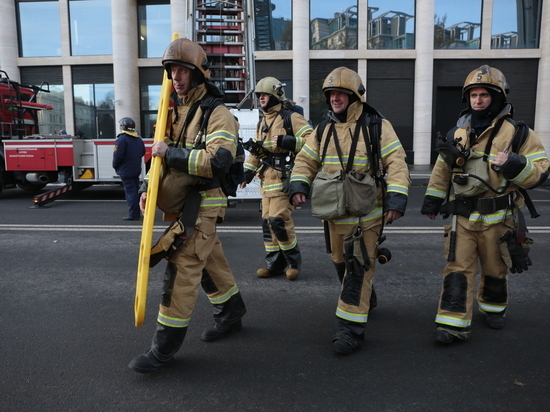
<point>30,160</point>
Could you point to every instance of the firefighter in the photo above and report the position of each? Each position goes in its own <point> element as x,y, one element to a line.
<point>200,260</point>
<point>280,134</point>
<point>485,228</point>
<point>344,92</point>
<point>127,162</point>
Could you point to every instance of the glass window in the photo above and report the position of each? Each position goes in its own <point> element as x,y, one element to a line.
<point>94,110</point>
<point>333,24</point>
<point>52,121</point>
<point>273,24</point>
<point>91,31</point>
<point>154,29</point>
<point>516,27</point>
<point>391,24</point>
<point>47,40</point>
<point>457,24</point>
<point>150,97</point>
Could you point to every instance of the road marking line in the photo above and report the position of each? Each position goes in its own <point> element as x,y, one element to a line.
<point>224,229</point>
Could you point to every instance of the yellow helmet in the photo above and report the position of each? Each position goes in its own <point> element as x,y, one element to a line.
<point>188,54</point>
<point>486,77</point>
<point>345,80</point>
<point>272,86</point>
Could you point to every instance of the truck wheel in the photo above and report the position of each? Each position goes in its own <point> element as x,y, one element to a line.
<point>30,187</point>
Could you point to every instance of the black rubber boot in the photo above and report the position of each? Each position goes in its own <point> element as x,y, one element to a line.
<point>373,302</point>
<point>294,260</point>
<point>275,263</point>
<point>449,334</point>
<point>227,318</point>
<point>166,342</point>
<point>495,320</point>
<point>348,336</point>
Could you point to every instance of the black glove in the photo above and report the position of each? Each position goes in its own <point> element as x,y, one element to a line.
<point>518,258</point>
<point>287,142</point>
<point>249,176</point>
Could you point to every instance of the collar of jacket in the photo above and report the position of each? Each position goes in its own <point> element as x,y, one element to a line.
<point>272,111</point>
<point>129,133</point>
<point>195,94</point>
<point>466,116</point>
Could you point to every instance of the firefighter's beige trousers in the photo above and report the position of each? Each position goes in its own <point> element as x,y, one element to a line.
<point>202,251</point>
<point>473,247</point>
<point>358,310</point>
<point>279,207</point>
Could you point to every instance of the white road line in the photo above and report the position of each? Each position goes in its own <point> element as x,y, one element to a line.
<point>222,229</point>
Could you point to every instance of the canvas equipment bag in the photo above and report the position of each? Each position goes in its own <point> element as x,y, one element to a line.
<point>475,165</point>
<point>346,192</point>
<point>179,230</point>
<point>173,187</point>
<point>327,196</point>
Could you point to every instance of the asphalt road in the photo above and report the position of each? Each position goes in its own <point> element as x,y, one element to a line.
<point>67,288</point>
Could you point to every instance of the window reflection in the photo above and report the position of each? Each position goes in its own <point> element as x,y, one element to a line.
<point>91,31</point>
<point>43,15</point>
<point>52,121</point>
<point>333,25</point>
<point>273,24</point>
<point>516,24</point>
<point>154,29</point>
<point>94,110</point>
<point>391,24</point>
<point>457,24</point>
<point>150,97</point>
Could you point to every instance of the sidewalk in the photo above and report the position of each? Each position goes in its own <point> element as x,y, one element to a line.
<point>420,174</point>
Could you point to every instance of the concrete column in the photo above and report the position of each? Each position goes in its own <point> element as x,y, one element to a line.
<point>65,28</point>
<point>180,11</point>
<point>362,72</point>
<point>125,52</point>
<point>363,23</point>
<point>486,25</point>
<point>300,54</point>
<point>8,47</point>
<point>423,82</point>
<point>69,101</point>
<point>542,119</point>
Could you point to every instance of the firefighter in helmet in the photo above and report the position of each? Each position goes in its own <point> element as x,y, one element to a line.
<point>200,260</point>
<point>326,151</point>
<point>127,162</point>
<point>502,158</point>
<point>280,134</point>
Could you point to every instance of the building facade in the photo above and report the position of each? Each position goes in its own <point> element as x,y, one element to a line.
<point>102,58</point>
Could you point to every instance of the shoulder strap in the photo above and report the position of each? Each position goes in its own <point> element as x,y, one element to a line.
<point>363,120</point>
<point>491,138</point>
<point>372,141</point>
<point>286,114</point>
<point>207,104</point>
<point>522,131</point>
<point>321,128</point>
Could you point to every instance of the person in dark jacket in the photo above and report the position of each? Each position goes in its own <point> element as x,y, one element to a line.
<point>127,160</point>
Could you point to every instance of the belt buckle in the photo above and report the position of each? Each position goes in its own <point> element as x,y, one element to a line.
<point>486,205</point>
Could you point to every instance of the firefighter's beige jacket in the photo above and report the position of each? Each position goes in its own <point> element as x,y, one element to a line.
<point>222,131</point>
<point>308,162</point>
<point>273,123</point>
<point>535,166</point>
